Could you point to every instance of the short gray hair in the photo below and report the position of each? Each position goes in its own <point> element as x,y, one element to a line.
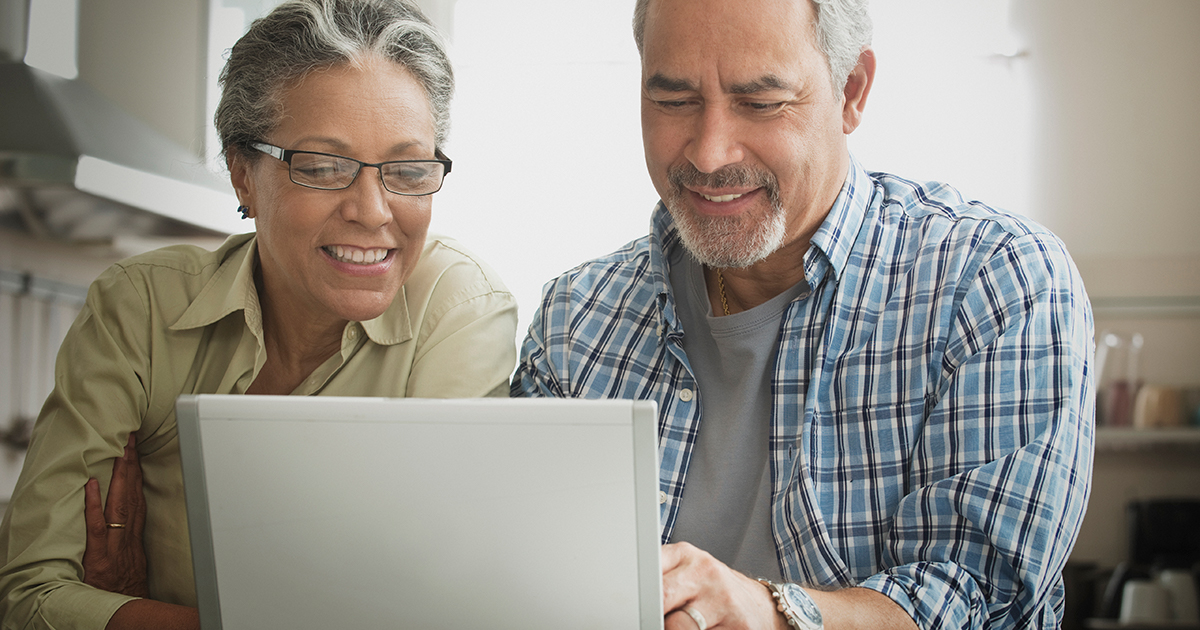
<point>300,36</point>
<point>843,30</point>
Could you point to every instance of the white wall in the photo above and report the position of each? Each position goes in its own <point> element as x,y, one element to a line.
<point>546,138</point>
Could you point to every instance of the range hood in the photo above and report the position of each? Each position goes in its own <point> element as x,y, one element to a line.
<point>76,167</point>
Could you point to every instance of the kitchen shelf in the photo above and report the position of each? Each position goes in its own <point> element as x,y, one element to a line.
<point>1112,439</point>
<point>1113,624</point>
<point>1187,306</point>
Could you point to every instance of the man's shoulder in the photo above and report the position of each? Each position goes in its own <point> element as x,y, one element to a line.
<point>933,224</point>
<point>926,203</point>
<point>934,213</point>
<point>624,270</point>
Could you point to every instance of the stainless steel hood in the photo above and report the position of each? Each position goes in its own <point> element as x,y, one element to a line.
<point>76,167</point>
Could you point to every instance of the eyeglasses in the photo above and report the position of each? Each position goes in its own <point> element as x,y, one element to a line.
<point>324,171</point>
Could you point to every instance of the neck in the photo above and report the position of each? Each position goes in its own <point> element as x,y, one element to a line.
<point>748,287</point>
<point>295,346</point>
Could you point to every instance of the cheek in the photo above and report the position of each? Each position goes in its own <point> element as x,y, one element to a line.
<point>660,137</point>
<point>292,218</point>
<point>411,224</point>
<point>413,214</point>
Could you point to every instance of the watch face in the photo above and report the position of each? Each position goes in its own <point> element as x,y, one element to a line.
<point>803,605</point>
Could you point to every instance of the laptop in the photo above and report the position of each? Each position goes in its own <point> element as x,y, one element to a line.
<point>327,512</point>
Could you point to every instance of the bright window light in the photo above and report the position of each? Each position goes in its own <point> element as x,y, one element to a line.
<point>951,100</point>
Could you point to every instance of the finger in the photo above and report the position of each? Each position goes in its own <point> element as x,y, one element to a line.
<point>119,507</point>
<point>679,620</point>
<point>680,581</point>
<point>139,514</point>
<point>673,554</point>
<point>697,617</point>
<point>93,516</point>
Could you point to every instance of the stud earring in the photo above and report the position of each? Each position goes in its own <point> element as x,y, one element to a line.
<point>245,210</point>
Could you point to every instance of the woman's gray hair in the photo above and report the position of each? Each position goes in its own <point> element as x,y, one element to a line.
<point>300,36</point>
<point>843,30</point>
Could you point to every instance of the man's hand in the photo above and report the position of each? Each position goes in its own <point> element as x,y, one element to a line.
<point>114,559</point>
<point>722,597</point>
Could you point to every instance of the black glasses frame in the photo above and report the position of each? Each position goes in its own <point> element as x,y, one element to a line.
<point>285,155</point>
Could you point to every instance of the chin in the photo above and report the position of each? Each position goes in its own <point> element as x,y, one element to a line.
<point>729,241</point>
<point>361,306</point>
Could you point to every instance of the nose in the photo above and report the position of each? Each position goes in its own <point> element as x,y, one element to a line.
<point>715,142</point>
<point>368,201</point>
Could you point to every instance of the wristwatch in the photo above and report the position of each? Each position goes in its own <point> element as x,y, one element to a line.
<point>796,606</point>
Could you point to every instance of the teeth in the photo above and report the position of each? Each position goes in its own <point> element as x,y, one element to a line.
<point>721,198</point>
<point>356,256</point>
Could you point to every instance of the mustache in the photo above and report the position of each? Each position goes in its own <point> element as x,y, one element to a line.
<point>686,175</point>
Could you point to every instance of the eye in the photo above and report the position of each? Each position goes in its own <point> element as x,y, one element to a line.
<point>410,172</point>
<point>673,104</point>
<point>764,108</point>
<point>316,167</point>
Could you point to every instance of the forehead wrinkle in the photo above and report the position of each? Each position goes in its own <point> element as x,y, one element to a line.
<point>341,148</point>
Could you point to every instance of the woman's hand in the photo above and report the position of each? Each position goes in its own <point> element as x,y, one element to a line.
<point>114,558</point>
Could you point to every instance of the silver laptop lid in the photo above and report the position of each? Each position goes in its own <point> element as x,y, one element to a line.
<point>323,512</point>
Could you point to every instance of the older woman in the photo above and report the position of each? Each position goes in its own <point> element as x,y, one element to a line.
<point>332,118</point>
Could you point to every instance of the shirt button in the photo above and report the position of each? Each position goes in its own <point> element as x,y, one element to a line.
<point>662,497</point>
<point>351,333</point>
<point>685,395</point>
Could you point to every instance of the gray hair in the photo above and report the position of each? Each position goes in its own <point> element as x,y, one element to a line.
<point>300,36</point>
<point>843,30</point>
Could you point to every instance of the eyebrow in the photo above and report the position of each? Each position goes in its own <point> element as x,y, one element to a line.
<point>661,83</point>
<point>765,83</point>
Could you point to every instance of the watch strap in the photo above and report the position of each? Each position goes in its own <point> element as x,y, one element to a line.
<point>800,615</point>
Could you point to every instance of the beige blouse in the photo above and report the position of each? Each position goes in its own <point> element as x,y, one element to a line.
<point>183,320</point>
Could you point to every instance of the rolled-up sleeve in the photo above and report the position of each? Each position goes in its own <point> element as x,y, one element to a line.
<point>1001,471</point>
<point>98,399</point>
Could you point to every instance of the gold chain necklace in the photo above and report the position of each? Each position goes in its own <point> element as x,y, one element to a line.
<point>721,285</point>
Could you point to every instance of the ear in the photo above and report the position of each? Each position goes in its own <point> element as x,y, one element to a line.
<point>240,177</point>
<point>858,87</point>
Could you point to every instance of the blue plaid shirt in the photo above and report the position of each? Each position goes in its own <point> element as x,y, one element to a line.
<point>932,425</point>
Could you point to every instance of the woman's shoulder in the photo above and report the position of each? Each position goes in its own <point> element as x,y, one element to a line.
<point>185,259</point>
<point>447,267</point>
<point>173,274</point>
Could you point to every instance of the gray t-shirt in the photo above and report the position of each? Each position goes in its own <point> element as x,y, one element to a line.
<point>726,504</point>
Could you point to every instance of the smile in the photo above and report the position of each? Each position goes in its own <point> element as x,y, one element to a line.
<point>721,198</point>
<point>355,256</point>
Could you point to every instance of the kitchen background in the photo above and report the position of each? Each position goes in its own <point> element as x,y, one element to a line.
<point>1078,113</point>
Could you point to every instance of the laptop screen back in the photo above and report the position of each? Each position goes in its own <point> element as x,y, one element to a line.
<point>324,512</point>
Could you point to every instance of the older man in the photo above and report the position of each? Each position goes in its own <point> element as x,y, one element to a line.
<point>874,396</point>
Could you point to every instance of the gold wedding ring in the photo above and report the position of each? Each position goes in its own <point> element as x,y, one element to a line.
<point>116,525</point>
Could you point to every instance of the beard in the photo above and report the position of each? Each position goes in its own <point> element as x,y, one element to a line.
<point>738,241</point>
